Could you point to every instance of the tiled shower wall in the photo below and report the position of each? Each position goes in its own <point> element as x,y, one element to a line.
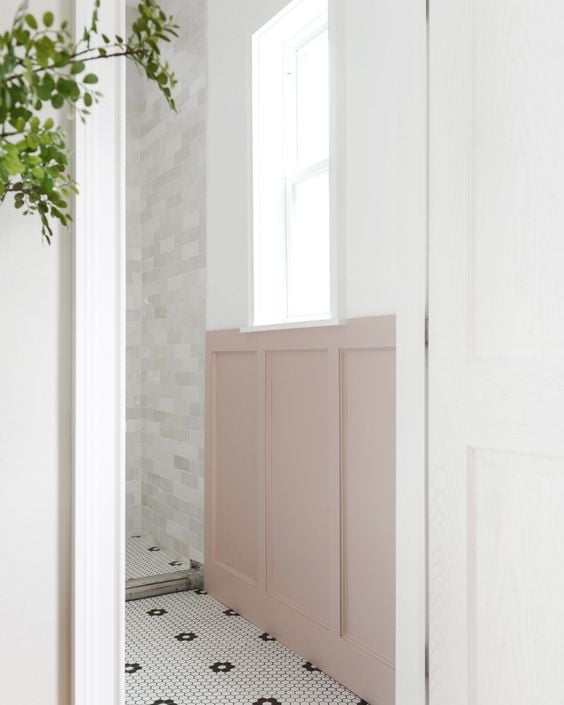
<point>166,287</point>
<point>135,104</point>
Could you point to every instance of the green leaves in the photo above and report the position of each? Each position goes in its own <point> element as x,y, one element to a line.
<point>44,87</point>
<point>45,52</point>
<point>78,67</point>
<point>32,142</point>
<point>68,88</point>
<point>150,30</point>
<point>47,67</point>
<point>11,160</point>
<point>31,21</point>
<point>35,170</point>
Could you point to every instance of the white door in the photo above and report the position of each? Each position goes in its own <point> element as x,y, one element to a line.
<point>496,446</point>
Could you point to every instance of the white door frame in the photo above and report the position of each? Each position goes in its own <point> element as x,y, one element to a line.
<point>99,399</point>
<point>99,396</point>
<point>411,382</point>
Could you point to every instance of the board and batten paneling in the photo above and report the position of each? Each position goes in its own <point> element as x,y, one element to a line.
<point>234,464</point>
<point>300,492</point>
<point>297,444</point>
<point>368,377</point>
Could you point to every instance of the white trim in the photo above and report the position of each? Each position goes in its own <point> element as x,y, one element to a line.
<point>337,160</point>
<point>317,323</point>
<point>98,609</point>
<point>99,399</point>
<point>272,17</point>
<point>252,169</point>
<point>410,35</point>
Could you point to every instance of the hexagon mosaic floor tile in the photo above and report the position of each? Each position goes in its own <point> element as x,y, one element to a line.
<point>144,558</point>
<point>189,649</point>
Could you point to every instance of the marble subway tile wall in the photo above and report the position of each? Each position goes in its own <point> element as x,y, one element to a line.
<point>134,300</point>
<point>172,178</point>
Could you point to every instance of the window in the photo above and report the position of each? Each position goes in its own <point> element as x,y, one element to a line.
<point>292,258</point>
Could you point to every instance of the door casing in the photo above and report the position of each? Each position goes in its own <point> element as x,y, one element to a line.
<point>99,358</point>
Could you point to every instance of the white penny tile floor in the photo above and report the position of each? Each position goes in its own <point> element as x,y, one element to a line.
<point>145,558</point>
<point>189,649</point>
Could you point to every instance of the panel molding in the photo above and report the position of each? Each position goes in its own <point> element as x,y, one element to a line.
<point>234,572</point>
<point>512,323</point>
<point>344,506</point>
<point>322,636</point>
<point>212,460</point>
<point>276,594</point>
<point>506,489</point>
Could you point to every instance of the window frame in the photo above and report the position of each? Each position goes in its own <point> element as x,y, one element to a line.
<point>333,166</point>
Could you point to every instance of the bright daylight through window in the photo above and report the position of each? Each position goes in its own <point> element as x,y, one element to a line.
<point>291,145</point>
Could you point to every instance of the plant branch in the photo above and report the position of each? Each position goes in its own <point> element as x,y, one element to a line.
<point>128,52</point>
<point>54,67</point>
<point>43,66</point>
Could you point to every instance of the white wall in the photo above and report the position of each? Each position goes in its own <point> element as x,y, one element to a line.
<point>366,66</point>
<point>35,377</point>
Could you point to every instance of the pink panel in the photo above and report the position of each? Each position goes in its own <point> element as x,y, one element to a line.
<point>368,500</point>
<point>299,490</point>
<point>300,523</point>
<point>234,463</point>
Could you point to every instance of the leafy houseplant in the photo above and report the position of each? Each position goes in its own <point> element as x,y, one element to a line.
<point>43,68</point>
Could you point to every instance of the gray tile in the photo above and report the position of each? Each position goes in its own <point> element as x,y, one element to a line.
<point>166,292</point>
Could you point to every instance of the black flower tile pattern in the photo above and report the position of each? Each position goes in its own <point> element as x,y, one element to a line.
<point>266,637</point>
<point>156,612</point>
<point>145,558</point>
<point>132,667</point>
<point>310,667</point>
<point>186,636</point>
<point>231,613</point>
<point>229,662</point>
<point>222,667</point>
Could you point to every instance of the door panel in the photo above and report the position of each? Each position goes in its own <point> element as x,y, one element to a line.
<point>516,171</point>
<point>496,352</point>
<point>516,611</point>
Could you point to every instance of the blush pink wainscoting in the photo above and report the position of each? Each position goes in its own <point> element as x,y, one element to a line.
<point>300,492</point>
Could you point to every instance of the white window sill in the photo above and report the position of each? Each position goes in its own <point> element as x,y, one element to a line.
<point>295,324</point>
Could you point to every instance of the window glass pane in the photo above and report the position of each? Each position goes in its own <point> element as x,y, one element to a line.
<point>308,255</point>
<point>290,113</point>
<point>312,99</point>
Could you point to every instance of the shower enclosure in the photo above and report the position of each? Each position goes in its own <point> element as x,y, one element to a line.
<point>165,294</point>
